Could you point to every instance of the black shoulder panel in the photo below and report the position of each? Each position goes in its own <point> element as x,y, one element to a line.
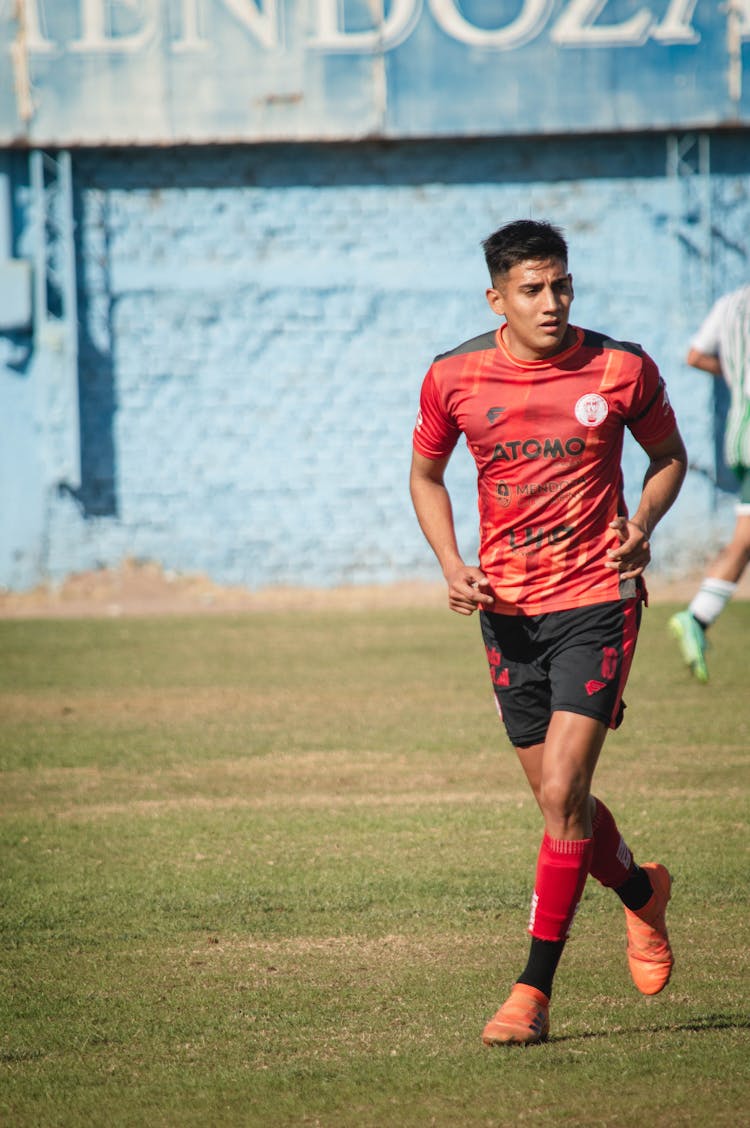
<point>595,340</point>
<point>477,344</point>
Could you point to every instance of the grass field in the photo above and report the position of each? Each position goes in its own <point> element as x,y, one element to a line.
<point>274,870</point>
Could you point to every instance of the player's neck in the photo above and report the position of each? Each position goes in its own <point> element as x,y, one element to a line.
<point>528,353</point>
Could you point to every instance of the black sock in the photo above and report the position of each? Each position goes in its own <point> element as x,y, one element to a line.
<point>544,956</point>
<point>636,890</point>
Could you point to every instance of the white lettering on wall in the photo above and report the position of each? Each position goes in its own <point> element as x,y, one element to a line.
<point>738,29</point>
<point>191,24</point>
<point>187,24</point>
<point>742,8</point>
<point>525,27</point>
<point>676,26</point>
<point>576,27</point>
<point>389,33</point>
<point>32,23</point>
<point>261,20</point>
<point>96,32</point>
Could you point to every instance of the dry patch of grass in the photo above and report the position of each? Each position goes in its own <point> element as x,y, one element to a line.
<point>322,780</point>
<point>251,883</point>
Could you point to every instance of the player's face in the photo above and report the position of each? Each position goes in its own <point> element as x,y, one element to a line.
<point>534,298</point>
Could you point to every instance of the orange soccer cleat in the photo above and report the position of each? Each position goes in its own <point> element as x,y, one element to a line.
<point>649,954</point>
<point>523,1019</point>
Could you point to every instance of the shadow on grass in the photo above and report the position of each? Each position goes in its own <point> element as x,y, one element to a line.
<point>697,1026</point>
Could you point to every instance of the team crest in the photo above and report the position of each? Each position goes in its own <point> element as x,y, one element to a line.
<point>591,409</point>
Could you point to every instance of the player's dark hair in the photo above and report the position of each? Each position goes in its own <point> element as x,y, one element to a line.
<point>520,241</point>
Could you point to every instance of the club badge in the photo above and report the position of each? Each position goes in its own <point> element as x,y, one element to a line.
<point>591,409</point>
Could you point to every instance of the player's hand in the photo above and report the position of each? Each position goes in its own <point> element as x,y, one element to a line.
<point>634,551</point>
<point>468,588</point>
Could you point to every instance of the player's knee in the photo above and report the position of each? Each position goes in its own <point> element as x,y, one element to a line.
<point>564,801</point>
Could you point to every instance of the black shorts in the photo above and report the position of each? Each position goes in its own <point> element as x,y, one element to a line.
<point>576,660</point>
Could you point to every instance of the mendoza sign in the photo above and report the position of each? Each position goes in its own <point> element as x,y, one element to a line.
<point>165,71</point>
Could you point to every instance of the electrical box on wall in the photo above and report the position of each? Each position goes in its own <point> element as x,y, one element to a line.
<point>15,295</point>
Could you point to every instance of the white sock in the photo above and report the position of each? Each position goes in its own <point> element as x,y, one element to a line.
<point>712,598</point>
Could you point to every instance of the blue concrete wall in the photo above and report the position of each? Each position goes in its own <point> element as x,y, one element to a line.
<point>255,322</point>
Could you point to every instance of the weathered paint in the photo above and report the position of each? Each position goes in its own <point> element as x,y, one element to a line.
<point>169,71</point>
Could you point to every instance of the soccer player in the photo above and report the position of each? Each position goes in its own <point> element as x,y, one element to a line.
<point>544,406</point>
<point>722,347</point>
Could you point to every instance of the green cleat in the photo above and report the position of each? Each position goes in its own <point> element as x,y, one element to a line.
<point>692,641</point>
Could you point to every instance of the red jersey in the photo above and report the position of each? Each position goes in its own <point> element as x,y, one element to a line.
<point>547,438</point>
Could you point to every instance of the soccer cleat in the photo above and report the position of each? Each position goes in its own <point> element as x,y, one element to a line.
<point>649,954</point>
<point>523,1019</point>
<point>692,641</point>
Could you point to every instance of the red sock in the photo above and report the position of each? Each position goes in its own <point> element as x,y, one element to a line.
<point>611,860</point>
<point>561,872</point>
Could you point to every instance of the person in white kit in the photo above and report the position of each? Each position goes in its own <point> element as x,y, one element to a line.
<point>722,347</point>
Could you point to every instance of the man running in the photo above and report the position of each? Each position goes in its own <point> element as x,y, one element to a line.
<point>544,405</point>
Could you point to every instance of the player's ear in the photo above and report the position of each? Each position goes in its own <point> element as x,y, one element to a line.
<point>495,299</point>
<point>572,291</point>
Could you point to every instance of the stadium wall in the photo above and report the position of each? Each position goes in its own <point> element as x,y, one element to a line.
<point>254,321</point>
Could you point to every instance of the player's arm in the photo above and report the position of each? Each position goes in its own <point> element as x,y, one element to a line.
<point>664,476</point>
<point>468,587</point>
<point>705,361</point>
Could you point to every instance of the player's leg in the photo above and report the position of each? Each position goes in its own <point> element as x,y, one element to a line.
<point>570,755</point>
<point>732,561</point>
<point>522,694</point>
<point>558,756</point>
<point>597,646</point>
<point>722,577</point>
<point>717,588</point>
<point>643,891</point>
<point>559,772</point>
<point>598,661</point>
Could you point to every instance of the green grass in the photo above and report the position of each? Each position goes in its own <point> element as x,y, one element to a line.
<point>275,869</point>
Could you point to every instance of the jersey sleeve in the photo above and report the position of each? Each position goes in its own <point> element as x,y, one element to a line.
<point>651,418</point>
<point>707,339</point>
<point>435,432</point>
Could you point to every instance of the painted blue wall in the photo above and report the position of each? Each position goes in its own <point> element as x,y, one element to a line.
<point>255,322</point>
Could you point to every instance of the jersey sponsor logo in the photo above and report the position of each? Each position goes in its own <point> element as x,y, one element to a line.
<point>538,448</point>
<point>591,409</point>
<point>533,538</point>
<point>502,489</point>
<point>494,414</point>
<point>528,491</point>
<point>594,686</point>
<point>532,488</point>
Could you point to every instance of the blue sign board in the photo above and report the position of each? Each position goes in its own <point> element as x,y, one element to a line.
<point>85,72</point>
